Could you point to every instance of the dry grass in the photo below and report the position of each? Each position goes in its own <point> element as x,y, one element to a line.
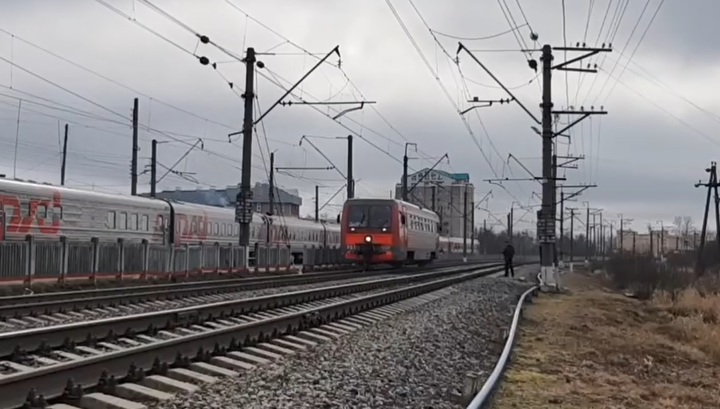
<point>594,348</point>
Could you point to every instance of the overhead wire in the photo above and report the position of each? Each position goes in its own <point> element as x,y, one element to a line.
<point>609,39</point>
<point>436,75</point>
<point>342,71</point>
<point>437,79</point>
<point>113,81</point>
<point>488,37</point>
<point>660,107</point>
<point>637,46</point>
<point>632,33</point>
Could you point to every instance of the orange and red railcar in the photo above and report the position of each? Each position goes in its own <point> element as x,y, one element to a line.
<point>388,231</point>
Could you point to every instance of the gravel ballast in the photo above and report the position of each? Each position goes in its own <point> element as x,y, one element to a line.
<point>413,360</point>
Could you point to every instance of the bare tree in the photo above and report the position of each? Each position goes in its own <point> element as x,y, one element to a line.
<point>678,224</point>
<point>683,225</point>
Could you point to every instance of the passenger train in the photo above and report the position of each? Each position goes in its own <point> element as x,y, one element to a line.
<point>389,231</point>
<point>48,212</point>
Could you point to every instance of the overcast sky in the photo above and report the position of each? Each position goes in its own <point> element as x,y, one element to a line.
<point>644,156</point>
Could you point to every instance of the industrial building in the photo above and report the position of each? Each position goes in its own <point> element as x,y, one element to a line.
<point>287,202</point>
<point>444,193</point>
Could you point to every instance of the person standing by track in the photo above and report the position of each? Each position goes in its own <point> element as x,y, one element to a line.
<point>508,254</point>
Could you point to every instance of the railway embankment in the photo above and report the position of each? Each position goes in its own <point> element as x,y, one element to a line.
<point>599,347</point>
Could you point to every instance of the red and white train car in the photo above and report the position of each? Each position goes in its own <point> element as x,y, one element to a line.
<point>48,212</point>
<point>388,231</point>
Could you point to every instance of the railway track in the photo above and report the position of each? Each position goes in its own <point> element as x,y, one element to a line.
<point>89,362</point>
<point>44,306</point>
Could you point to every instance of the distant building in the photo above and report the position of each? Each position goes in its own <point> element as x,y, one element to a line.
<point>442,192</point>
<point>669,242</point>
<point>287,202</point>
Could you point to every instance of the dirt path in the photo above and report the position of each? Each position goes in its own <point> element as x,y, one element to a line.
<point>594,348</point>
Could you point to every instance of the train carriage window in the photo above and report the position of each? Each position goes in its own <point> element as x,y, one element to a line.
<point>56,213</point>
<point>193,227</point>
<point>110,224</point>
<point>237,229</point>
<point>161,222</point>
<point>215,229</point>
<point>41,212</point>
<point>145,223</point>
<point>122,221</point>
<point>133,222</point>
<point>357,216</point>
<point>222,229</point>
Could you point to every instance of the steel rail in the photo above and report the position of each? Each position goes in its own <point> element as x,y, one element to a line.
<point>78,300</point>
<point>482,399</point>
<point>50,381</point>
<point>22,341</point>
<point>52,302</point>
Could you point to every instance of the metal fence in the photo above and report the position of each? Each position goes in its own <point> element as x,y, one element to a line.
<point>31,259</point>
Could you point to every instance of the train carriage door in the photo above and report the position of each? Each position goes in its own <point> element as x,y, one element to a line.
<point>403,230</point>
<point>2,223</point>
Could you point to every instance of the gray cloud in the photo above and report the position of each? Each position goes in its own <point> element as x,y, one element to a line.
<point>647,159</point>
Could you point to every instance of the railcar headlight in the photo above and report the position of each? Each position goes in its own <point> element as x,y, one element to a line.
<point>368,239</point>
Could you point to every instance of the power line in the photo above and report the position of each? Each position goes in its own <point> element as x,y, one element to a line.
<point>652,19</point>
<point>488,37</point>
<point>106,78</point>
<point>697,131</point>
<point>133,20</point>
<point>632,33</point>
<point>437,79</point>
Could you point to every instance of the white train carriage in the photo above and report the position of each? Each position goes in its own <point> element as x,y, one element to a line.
<point>48,212</point>
<point>422,231</point>
<point>298,234</point>
<point>454,245</point>
<point>199,223</point>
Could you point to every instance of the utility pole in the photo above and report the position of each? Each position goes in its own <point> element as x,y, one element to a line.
<point>711,185</point>
<point>662,240</point>
<point>317,203</point>
<point>602,238</point>
<point>621,232</point>
<point>484,240</point>
<point>350,179</point>
<point>547,220</point>
<point>465,223</point>
<point>64,157</point>
<point>572,231</point>
<point>135,149</point>
<point>587,234</point>
<point>153,169</point>
<point>562,224</point>
<point>509,225</point>
<point>652,253</point>
<point>405,171</point>
<point>271,185</point>
<point>472,225</point>
<point>546,215</point>
<point>432,192</point>
<point>243,210</point>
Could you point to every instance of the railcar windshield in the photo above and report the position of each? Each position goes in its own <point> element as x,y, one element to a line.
<point>370,217</point>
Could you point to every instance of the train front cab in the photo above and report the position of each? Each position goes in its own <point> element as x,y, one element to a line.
<point>370,231</point>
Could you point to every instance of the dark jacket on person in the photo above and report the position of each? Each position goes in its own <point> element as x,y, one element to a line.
<point>509,252</point>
